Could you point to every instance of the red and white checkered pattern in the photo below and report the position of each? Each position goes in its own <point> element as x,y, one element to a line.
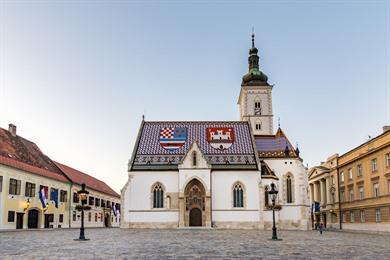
<point>167,132</point>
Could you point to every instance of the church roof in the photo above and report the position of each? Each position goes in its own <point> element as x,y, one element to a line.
<point>152,150</point>
<point>275,146</point>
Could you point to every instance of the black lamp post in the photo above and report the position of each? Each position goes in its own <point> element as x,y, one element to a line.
<point>274,194</point>
<point>83,194</point>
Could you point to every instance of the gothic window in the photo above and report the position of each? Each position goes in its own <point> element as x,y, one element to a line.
<point>266,198</point>
<point>158,196</point>
<point>238,195</point>
<point>194,158</point>
<point>257,106</point>
<point>289,190</point>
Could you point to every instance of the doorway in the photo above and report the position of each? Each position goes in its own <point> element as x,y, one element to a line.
<point>195,214</point>
<point>19,220</point>
<point>107,220</point>
<point>32,218</point>
<point>48,219</point>
<point>195,217</point>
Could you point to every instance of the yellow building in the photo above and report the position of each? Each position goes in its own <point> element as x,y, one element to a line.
<point>363,186</point>
<point>25,172</point>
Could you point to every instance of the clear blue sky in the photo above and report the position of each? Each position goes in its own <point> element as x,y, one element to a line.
<point>76,77</point>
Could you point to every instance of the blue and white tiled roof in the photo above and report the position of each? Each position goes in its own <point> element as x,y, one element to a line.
<point>150,153</point>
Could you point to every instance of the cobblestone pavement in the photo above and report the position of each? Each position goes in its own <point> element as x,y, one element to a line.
<point>185,243</point>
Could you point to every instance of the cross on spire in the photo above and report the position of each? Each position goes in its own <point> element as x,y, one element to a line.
<point>253,36</point>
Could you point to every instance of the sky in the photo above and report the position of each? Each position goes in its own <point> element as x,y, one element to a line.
<point>77,76</point>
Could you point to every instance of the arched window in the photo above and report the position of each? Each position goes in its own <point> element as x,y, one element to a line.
<point>289,189</point>
<point>258,125</point>
<point>194,158</point>
<point>266,198</point>
<point>158,196</point>
<point>257,106</point>
<point>238,196</point>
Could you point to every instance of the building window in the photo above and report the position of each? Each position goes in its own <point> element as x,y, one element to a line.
<point>388,186</point>
<point>352,216</point>
<point>52,193</point>
<point>95,217</point>
<point>350,174</point>
<point>344,218</point>
<point>359,170</point>
<point>74,215</point>
<point>61,218</point>
<point>258,125</point>
<point>11,216</point>
<point>342,176</point>
<point>388,159</point>
<point>376,190</point>
<point>158,196</point>
<point>238,196</point>
<point>91,201</point>
<point>30,189</point>
<point>101,217</point>
<point>342,196</point>
<point>378,215</point>
<point>89,216</point>
<point>97,202</point>
<point>1,183</point>
<point>76,197</point>
<point>351,195</point>
<point>108,205</point>
<point>103,203</point>
<point>266,197</point>
<point>14,186</point>
<point>289,190</point>
<point>361,193</point>
<point>63,196</point>
<point>374,164</point>
<point>257,106</point>
<point>194,159</point>
<point>362,216</point>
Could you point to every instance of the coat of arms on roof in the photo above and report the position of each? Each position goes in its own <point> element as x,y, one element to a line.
<point>172,138</point>
<point>220,137</point>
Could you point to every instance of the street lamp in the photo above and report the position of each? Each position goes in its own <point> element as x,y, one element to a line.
<point>274,194</point>
<point>83,198</point>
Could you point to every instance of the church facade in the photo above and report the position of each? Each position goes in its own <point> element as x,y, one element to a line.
<point>217,173</point>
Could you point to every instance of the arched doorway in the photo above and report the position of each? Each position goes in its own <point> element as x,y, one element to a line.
<point>195,204</point>
<point>32,221</point>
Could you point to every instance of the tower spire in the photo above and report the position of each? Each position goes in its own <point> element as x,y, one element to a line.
<point>253,37</point>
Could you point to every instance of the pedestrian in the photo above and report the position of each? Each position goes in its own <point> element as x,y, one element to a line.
<point>321,228</point>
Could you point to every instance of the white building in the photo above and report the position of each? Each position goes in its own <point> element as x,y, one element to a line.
<point>217,174</point>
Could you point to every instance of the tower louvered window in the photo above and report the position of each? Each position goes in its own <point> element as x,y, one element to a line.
<point>158,196</point>
<point>238,196</point>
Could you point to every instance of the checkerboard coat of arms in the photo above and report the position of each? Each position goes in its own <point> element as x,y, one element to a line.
<point>220,137</point>
<point>172,138</point>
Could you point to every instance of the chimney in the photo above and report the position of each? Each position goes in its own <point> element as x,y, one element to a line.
<point>386,128</point>
<point>12,129</point>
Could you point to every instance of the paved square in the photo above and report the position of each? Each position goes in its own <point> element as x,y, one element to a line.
<point>184,243</point>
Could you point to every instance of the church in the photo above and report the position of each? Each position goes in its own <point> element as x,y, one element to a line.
<point>217,174</point>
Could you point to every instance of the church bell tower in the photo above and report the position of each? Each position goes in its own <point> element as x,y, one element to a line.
<point>255,98</point>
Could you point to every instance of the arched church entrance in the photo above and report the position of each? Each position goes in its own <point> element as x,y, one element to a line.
<point>194,197</point>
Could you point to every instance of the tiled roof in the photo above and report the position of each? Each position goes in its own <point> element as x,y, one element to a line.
<point>274,146</point>
<point>20,153</point>
<point>32,169</point>
<point>150,152</point>
<point>23,150</point>
<point>91,182</point>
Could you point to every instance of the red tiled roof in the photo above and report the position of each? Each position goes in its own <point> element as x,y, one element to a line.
<point>25,151</point>
<point>91,182</point>
<point>32,169</point>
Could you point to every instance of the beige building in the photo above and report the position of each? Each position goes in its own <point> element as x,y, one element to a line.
<point>361,179</point>
<point>36,192</point>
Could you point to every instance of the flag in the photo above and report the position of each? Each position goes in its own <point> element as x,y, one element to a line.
<point>42,197</point>
<point>54,197</point>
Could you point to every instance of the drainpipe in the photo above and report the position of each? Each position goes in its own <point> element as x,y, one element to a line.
<point>211,198</point>
<point>338,188</point>
<point>70,205</point>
